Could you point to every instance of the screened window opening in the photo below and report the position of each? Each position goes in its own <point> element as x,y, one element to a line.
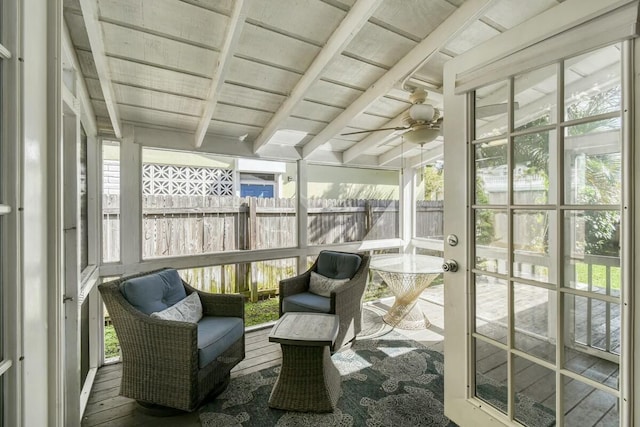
<point>195,203</point>
<point>352,204</point>
<point>110,201</point>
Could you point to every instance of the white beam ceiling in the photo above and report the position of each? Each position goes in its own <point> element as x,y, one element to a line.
<point>96,40</point>
<point>222,67</point>
<point>373,140</point>
<point>468,13</point>
<point>81,86</point>
<point>406,150</point>
<point>349,27</point>
<point>426,157</point>
<point>315,67</point>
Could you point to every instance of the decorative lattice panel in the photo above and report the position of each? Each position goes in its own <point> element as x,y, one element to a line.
<point>168,180</point>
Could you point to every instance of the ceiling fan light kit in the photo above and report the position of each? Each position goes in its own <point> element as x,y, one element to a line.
<point>421,134</point>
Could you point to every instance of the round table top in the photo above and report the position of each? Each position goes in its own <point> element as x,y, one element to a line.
<point>406,263</point>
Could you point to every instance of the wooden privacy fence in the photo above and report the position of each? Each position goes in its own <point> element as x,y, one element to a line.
<point>429,219</point>
<point>190,225</point>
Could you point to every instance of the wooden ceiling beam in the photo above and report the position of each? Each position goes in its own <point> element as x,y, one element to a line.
<point>96,41</point>
<point>222,66</point>
<point>465,15</point>
<point>340,38</point>
<point>81,85</point>
<point>373,140</point>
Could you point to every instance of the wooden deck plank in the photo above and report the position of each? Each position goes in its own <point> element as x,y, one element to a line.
<point>107,408</point>
<point>108,384</point>
<point>106,405</point>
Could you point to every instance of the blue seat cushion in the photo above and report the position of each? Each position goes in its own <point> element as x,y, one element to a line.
<point>154,292</point>
<point>338,265</point>
<point>306,302</point>
<point>215,335</point>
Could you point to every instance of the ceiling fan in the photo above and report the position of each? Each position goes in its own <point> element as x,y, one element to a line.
<point>422,120</point>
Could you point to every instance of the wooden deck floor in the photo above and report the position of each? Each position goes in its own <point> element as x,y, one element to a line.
<point>106,408</point>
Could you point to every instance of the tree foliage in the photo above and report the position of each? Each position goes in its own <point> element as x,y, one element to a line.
<point>601,175</point>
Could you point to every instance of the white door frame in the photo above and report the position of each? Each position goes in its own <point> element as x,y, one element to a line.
<point>496,59</point>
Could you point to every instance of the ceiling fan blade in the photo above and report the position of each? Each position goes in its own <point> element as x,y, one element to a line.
<point>374,130</point>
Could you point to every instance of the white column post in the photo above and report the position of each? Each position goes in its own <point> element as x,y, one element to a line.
<point>406,206</point>
<point>302,206</point>
<point>130,199</point>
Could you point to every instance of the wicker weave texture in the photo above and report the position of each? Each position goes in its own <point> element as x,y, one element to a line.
<point>346,301</point>
<point>160,357</point>
<point>308,380</point>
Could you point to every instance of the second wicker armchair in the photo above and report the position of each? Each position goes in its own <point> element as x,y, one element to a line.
<point>350,272</point>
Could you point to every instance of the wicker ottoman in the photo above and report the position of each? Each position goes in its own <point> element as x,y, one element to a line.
<point>308,380</point>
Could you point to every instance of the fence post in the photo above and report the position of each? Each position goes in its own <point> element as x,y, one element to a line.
<point>253,238</point>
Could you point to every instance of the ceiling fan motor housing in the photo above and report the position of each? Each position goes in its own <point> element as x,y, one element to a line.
<point>422,113</point>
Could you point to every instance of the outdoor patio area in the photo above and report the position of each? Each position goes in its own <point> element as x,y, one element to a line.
<point>535,384</point>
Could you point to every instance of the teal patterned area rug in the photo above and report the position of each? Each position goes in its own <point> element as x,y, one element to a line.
<point>387,381</point>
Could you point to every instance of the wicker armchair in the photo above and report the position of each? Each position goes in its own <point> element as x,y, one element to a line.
<point>345,301</point>
<point>164,362</point>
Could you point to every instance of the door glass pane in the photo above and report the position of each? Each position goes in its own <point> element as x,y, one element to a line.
<point>592,251</point>
<point>592,338</point>
<point>535,98</point>
<point>491,240</point>
<point>535,320</point>
<point>593,166</point>
<point>531,256</point>
<point>573,218</point>
<point>491,307</point>
<point>491,172</point>
<point>531,168</point>
<point>535,398</point>
<point>491,110</point>
<point>491,375</point>
<point>592,83</point>
<point>585,406</point>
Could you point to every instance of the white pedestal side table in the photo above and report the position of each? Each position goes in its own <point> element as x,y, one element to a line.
<point>407,275</point>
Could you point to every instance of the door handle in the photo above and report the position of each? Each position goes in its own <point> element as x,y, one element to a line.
<point>450,266</point>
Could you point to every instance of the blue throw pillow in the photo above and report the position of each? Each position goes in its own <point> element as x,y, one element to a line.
<point>154,292</point>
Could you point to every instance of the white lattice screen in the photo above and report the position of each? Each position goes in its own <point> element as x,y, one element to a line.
<point>168,180</point>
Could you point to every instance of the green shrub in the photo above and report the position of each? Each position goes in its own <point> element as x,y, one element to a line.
<point>111,343</point>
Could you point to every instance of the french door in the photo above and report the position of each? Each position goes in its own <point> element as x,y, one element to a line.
<point>540,313</point>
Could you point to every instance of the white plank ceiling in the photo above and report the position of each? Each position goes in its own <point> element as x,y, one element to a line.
<point>161,58</point>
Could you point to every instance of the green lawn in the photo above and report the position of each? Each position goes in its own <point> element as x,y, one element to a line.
<point>262,311</point>
<point>598,275</point>
<point>111,344</point>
